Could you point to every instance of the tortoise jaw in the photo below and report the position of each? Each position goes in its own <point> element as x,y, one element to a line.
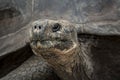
<point>48,45</point>
<point>53,53</point>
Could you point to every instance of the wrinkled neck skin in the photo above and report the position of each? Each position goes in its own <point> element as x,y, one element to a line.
<point>65,69</point>
<point>66,63</point>
<point>74,64</point>
<point>69,66</point>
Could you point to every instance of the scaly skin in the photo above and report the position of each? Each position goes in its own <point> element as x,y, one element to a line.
<point>34,68</point>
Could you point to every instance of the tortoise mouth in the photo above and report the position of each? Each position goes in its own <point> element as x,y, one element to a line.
<point>61,44</point>
<point>53,49</point>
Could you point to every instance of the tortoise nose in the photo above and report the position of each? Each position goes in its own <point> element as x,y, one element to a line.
<point>37,32</point>
<point>37,27</point>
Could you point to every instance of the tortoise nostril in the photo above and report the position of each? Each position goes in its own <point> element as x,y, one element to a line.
<point>39,27</point>
<point>56,27</point>
<point>35,27</point>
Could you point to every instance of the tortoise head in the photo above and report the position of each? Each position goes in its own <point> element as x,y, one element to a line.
<point>53,39</point>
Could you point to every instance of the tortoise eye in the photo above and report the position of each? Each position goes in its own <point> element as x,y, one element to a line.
<point>56,27</point>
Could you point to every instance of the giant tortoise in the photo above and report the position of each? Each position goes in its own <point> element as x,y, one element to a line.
<point>96,27</point>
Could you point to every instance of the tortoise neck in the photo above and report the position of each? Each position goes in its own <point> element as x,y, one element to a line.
<point>69,69</point>
<point>75,67</point>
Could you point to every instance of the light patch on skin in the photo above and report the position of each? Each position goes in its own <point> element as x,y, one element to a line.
<point>72,48</point>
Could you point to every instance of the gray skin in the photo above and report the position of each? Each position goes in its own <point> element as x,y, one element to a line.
<point>59,43</point>
<point>34,68</point>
